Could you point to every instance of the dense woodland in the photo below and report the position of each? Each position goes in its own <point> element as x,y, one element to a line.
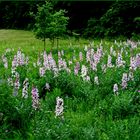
<point>87,18</point>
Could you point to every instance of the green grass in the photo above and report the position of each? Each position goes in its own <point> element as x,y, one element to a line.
<point>91,112</point>
<point>27,41</point>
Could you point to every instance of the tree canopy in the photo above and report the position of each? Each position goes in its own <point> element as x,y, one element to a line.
<point>89,18</point>
<point>49,23</point>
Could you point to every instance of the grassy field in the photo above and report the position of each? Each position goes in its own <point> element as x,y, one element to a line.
<point>26,39</point>
<point>83,75</point>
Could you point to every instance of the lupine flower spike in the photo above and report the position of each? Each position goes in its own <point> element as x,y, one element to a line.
<point>35,98</point>
<point>59,107</point>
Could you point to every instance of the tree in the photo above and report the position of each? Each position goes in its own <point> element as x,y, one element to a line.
<point>118,20</point>
<point>15,14</point>
<point>49,23</point>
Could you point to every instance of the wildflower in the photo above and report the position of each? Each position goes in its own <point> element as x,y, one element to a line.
<point>132,44</point>
<point>59,107</point>
<point>60,64</point>
<point>138,60</point>
<point>84,71</point>
<point>22,59</point>
<point>109,63</point>
<point>10,81</point>
<point>96,58</point>
<point>25,88</point>
<point>115,89</point>
<point>46,62</point>
<point>42,71</point>
<point>92,54</point>
<point>80,56</point>
<point>99,53</point>
<point>119,61</point>
<point>88,56</point>
<point>133,63</point>
<point>103,66</point>
<point>96,81</point>
<point>59,54</point>
<point>52,64</point>
<point>35,98</point>
<point>77,68</point>
<point>47,86</point>
<point>18,56</point>
<point>93,66</point>
<point>16,86</point>
<point>64,64</point>
<point>87,78</point>
<point>124,80</point>
<point>5,61</point>
<point>14,72</point>
<point>130,76</point>
<point>14,62</point>
<point>38,62</point>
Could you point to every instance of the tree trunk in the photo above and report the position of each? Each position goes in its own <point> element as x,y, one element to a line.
<point>44,44</point>
<point>57,43</point>
<point>52,42</point>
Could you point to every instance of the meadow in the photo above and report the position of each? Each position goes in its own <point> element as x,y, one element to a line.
<point>82,90</point>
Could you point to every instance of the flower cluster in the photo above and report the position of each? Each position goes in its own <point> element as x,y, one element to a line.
<point>132,63</point>
<point>16,86</point>
<point>35,98</point>
<point>115,89</point>
<point>77,68</point>
<point>124,80</point>
<point>138,60</point>
<point>119,60</point>
<point>47,86</point>
<point>5,61</point>
<point>25,88</point>
<point>96,80</point>
<point>42,71</point>
<point>109,62</point>
<point>84,72</point>
<point>80,56</point>
<point>59,107</point>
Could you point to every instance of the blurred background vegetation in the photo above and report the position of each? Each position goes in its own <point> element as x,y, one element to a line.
<point>89,19</point>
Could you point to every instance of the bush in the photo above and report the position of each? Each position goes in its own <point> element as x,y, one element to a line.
<point>16,113</point>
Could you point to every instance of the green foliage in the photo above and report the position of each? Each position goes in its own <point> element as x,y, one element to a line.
<point>118,20</point>
<point>49,23</point>
<point>90,111</point>
<point>92,29</point>
<point>15,14</point>
<point>16,113</point>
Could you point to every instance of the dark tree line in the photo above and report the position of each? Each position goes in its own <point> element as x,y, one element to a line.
<point>88,18</point>
<point>122,18</point>
<point>14,14</point>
